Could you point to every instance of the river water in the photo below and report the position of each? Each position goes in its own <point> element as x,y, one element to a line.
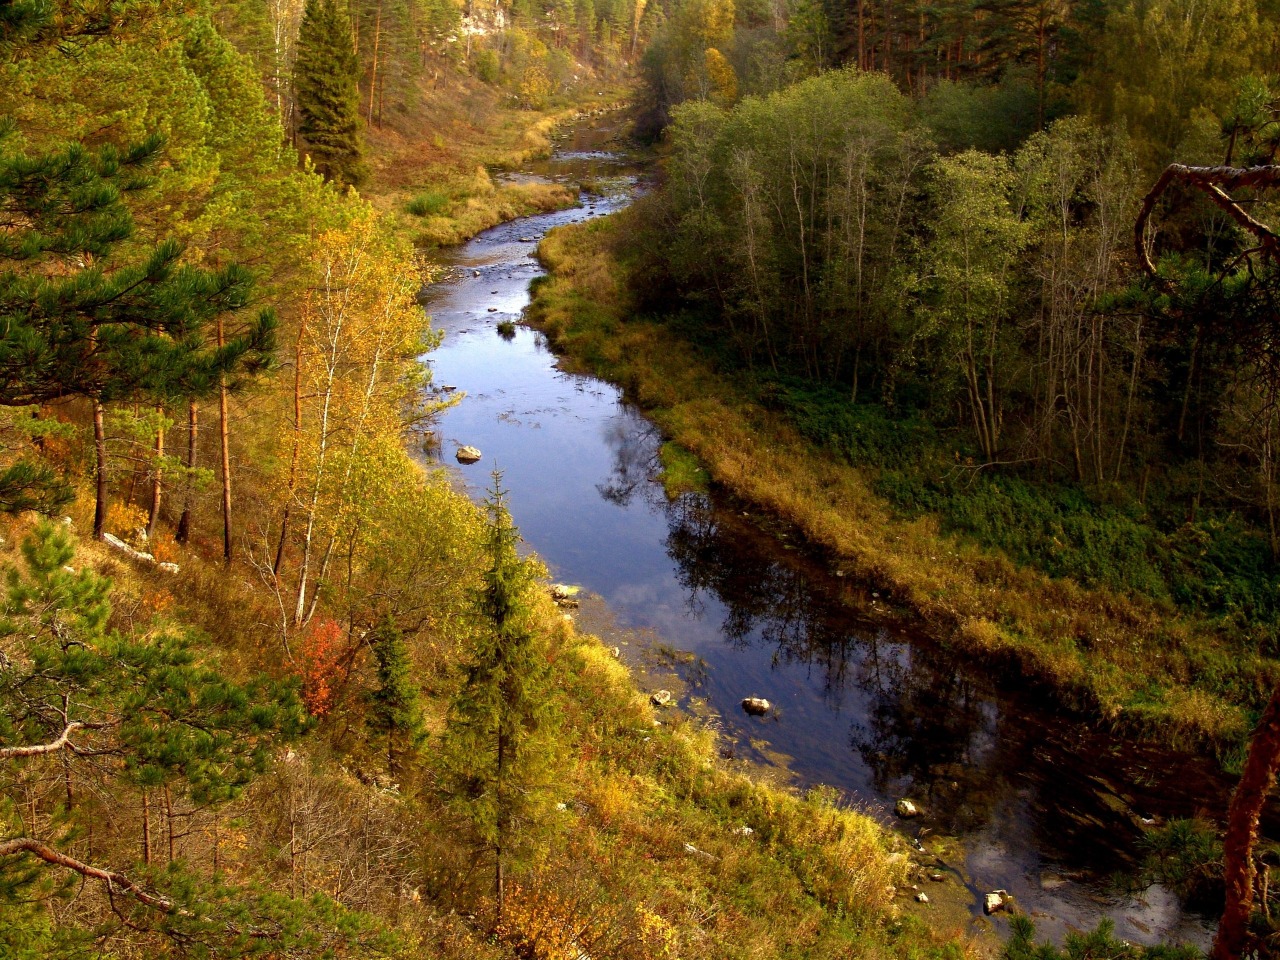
<point>1044,807</point>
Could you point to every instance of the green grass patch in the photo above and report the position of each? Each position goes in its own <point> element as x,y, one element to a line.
<point>1214,564</point>
<point>681,472</point>
<point>429,203</point>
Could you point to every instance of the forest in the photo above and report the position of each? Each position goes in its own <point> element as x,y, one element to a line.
<point>272,685</point>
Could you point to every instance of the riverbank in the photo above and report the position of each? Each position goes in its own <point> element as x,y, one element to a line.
<point>1138,665</point>
<point>667,845</point>
<point>437,177</point>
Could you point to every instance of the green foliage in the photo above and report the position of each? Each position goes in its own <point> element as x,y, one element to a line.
<point>227,920</point>
<point>1186,856</point>
<point>394,711</point>
<point>1100,944</point>
<point>485,65</point>
<point>30,485</point>
<point>681,472</point>
<point>500,749</point>
<point>429,203</point>
<point>168,716</point>
<point>326,77</point>
<point>129,332</point>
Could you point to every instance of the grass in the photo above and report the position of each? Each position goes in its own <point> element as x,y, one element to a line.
<point>429,203</point>
<point>681,472</point>
<point>1099,538</point>
<point>661,849</point>
<point>1079,627</point>
<point>431,164</point>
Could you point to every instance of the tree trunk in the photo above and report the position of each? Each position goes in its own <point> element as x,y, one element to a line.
<point>226,458</point>
<point>100,453</point>
<point>193,424</point>
<point>157,480</point>
<point>373,74</point>
<point>297,449</point>
<point>1250,797</point>
<point>146,828</point>
<point>168,817</point>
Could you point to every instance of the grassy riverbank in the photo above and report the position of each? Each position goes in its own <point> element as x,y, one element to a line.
<point>1141,664</point>
<point>658,848</point>
<point>432,169</point>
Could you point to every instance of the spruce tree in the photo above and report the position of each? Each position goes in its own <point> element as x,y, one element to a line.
<point>394,711</point>
<point>326,77</point>
<point>500,748</point>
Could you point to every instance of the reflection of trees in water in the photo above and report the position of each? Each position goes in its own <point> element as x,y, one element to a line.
<point>926,724</point>
<point>766,599</point>
<point>929,726</point>
<point>635,443</point>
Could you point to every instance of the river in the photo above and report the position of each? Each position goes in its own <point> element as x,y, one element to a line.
<point>1044,807</point>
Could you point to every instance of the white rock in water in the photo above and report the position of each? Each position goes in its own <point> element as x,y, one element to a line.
<point>995,901</point>
<point>661,698</point>
<point>906,809</point>
<point>756,706</point>
<point>468,454</point>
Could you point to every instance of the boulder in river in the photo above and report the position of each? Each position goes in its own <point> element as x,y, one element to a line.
<point>756,706</point>
<point>565,595</point>
<point>468,454</point>
<point>906,809</point>
<point>995,901</point>
<point>661,698</point>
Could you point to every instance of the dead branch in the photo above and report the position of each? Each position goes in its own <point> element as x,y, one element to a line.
<point>114,881</point>
<point>1213,182</point>
<point>53,746</point>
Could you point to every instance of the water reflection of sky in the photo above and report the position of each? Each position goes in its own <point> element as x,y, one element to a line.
<point>858,707</point>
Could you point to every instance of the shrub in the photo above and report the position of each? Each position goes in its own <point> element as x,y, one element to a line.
<point>430,203</point>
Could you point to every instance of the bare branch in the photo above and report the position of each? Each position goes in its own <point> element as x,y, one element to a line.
<point>114,881</point>
<point>1214,182</point>
<point>53,746</point>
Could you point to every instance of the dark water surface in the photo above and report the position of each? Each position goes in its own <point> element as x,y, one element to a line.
<point>1045,807</point>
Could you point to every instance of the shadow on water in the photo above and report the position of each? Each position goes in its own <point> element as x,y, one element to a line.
<point>1046,807</point>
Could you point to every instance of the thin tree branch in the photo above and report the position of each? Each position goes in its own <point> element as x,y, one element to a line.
<point>53,746</point>
<point>114,881</point>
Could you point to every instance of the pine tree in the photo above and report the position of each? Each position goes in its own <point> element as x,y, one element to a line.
<point>500,747</point>
<point>76,323</point>
<point>118,710</point>
<point>394,711</point>
<point>326,77</point>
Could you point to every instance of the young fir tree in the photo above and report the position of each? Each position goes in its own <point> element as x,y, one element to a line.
<point>500,749</point>
<point>326,79</point>
<point>394,710</point>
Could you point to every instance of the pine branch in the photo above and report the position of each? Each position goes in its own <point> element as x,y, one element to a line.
<point>1214,182</point>
<point>114,881</point>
